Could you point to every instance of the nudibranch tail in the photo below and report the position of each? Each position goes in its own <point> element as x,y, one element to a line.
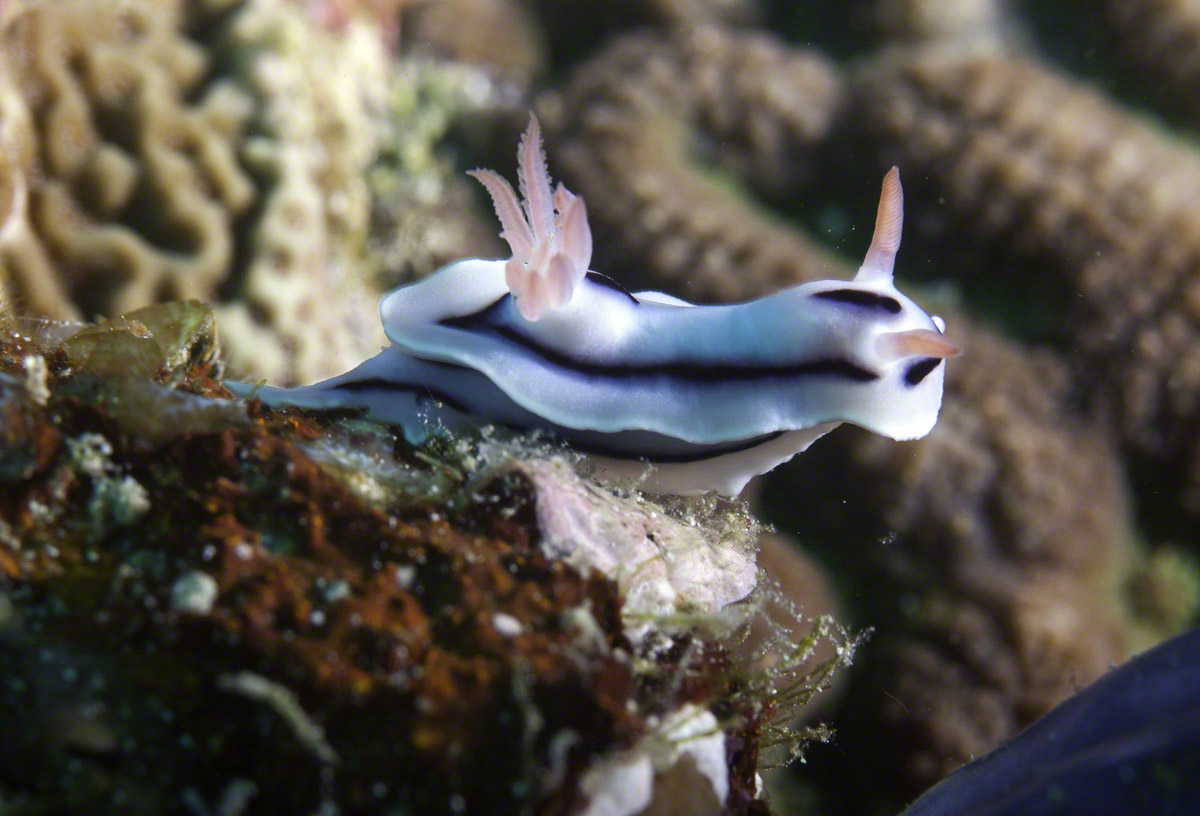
<point>548,234</point>
<point>889,222</point>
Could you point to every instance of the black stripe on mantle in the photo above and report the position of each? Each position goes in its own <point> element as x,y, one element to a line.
<point>859,297</point>
<point>380,384</point>
<point>481,322</point>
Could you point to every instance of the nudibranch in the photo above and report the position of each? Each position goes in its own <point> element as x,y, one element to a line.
<point>689,398</point>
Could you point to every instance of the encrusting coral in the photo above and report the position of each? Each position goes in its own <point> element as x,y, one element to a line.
<point>647,130</point>
<point>205,604</point>
<point>999,586</point>
<point>1090,211</point>
<point>177,150</point>
<point>314,139</point>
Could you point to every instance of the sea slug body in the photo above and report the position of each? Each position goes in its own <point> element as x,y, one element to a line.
<point>706,396</point>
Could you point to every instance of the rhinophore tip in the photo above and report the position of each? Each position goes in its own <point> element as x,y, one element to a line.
<point>889,222</point>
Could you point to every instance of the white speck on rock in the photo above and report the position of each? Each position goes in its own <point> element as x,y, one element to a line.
<point>406,574</point>
<point>506,624</point>
<point>194,592</point>
<point>36,375</point>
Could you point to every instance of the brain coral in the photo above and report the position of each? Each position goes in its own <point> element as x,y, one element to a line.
<point>658,134</point>
<point>115,142</point>
<point>997,584</point>
<point>1086,205</point>
<point>205,150</point>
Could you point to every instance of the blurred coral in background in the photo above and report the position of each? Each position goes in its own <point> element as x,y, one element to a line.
<point>286,162</point>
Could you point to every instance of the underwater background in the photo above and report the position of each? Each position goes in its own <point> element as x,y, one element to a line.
<point>208,607</point>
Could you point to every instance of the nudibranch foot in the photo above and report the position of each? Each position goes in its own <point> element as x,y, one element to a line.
<point>422,397</point>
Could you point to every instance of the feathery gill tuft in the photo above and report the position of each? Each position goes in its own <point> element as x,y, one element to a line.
<point>548,234</point>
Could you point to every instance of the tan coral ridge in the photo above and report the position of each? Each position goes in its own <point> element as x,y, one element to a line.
<point>998,583</point>
<point>1159,40</point>
<point>1078,202</point>
<point>625,135</point>
<point>172,149</point>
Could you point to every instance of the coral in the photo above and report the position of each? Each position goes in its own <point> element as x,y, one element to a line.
<point>575,31</point>
<point>166,152</point>
<point>503,35</point>
<point>1090,211</point>
<point>1160,39</point>
<point>997,583</point>
<point>647,130</point>
<point>424,213</point>
<point>303,304</point>
<point>289,615</point>
<point>105,87</point>
<point>940,19</point>
<point>341,15</point>
<point>665,15</point>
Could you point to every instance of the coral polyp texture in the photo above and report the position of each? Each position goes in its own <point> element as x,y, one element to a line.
<point>1083,205</point>
<point>650,131</point>
<point>325,619</point>
<point>187,151</point>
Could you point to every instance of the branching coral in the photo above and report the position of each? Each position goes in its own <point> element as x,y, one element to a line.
<point>1090,207</point>
<point>999,583</point>
<point>646,131</point>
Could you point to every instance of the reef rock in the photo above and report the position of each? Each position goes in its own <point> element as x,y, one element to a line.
<point>206,606</point>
